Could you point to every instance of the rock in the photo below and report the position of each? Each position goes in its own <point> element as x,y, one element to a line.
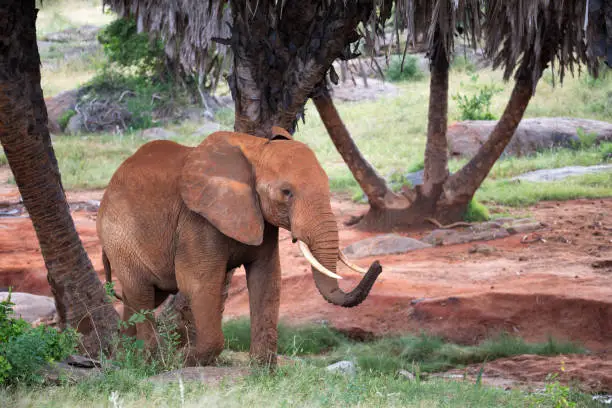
<point>451,237</point>
<point>523,227</point>
<point>31,307</point>
<point>83,362</point>
<point>546,175</point>
<point>208,375</point>
<point>157,133</point>
<point>415,178</point>
<point>75,125</point>
<point>342,367</point>
<point>57,106</point>
<point>482,249</point>
<point>532,135</point>
<point>383,245</point>
<point>406,374</point>
<point>60,373</point>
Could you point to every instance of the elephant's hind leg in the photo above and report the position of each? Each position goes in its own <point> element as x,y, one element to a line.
<point>138,297</point>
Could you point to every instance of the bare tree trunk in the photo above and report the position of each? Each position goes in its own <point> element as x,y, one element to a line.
<point>436,150</point>
<point>78,292</point>
<point>461,186</point>
<point>372,184</point>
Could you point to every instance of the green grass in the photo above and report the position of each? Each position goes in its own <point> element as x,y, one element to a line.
<point>291,340</point>
<point>301,385</point>
<point>431,354</point>
<point>58,15</point>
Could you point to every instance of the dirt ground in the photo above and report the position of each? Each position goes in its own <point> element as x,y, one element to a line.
<point>559,285</point>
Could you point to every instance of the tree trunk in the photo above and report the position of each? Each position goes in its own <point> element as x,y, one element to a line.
<point>436,150</point>
<point>79,295</point>
<point>461,186</point>
<point>278,63</point>
<point>372,184</point>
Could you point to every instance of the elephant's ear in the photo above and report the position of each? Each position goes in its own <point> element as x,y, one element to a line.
<point>217,182</point>
<point>280,133</point>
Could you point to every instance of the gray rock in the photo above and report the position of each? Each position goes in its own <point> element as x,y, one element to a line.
<point>342,367</point>
<point>60,373</point>
<point>532,135</point>
<point>206,375</point>
<point>406,374</point>
<point>415,178</point>
<point>452,237</point>
<point>521,226</point>
<point>157,133</point>
<point>30,307</point>
<point>75,125</point>
<point>562,172</point>
<point>383,245</point>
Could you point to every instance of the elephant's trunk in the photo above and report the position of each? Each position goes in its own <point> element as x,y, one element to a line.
<point>323,244</point>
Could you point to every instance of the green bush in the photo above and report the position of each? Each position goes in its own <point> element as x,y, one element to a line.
<point>476,107</point>
<point>476,212</point>
<point>408,72</point>
<point>65,118</point>
<point>124,46</point>
<point>24,350</point>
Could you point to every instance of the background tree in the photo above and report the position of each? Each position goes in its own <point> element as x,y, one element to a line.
<point>282,53</point>
<point>78,293</point>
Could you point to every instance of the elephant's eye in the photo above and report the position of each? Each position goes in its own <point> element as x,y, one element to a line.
<point>287,193</point>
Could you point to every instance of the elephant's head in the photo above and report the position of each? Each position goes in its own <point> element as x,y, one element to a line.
<point>238,181</point>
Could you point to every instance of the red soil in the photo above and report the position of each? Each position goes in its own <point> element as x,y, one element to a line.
<point>559,286</point>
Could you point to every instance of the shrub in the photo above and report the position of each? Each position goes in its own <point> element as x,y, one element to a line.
<point>24,350</point>
<point>476,107</point>
<point>476,212</point>
<point>408,72</point>
<point>65,118</point>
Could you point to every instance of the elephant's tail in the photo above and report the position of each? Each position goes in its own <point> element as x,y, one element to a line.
<point>108,273</point>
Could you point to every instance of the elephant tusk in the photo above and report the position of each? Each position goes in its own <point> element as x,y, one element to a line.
<point>314,262</point>
<point>345,261</point>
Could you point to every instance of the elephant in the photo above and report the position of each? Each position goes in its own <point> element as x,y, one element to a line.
<point>178,218</point>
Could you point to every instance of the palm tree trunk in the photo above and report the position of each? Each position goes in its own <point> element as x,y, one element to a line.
<point>461,186</point>
<point>436,150</point>
<point>372,184</point>
<point>78,293</point>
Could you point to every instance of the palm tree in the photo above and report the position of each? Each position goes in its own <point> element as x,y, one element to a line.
<point>79,295</point>
<point>282,52</point>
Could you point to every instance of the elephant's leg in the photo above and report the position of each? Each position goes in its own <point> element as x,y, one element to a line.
<point>200,275</point>
<point>138,297</point>
<point>264,282</point>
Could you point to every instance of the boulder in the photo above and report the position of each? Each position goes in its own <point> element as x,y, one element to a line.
<point>532,135</point>
<point>31,308</point>
<point>452,237</point>
<point>383,245</point>
<point>562,172</point>
<point>75,125</point>
<point>342,367</point>
<point>57,105</point>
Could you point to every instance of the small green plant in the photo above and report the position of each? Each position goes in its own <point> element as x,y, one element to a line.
<point>555,395</point>
<point>476,212</point>
<point>585,140</point>
<point>477,107</point>
<point>24,350</point>
<point>463,64</point>
<point>65,118</point>
<point>408,71</point>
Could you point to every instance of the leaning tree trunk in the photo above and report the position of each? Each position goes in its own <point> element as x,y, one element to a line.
<point>79,295</point>
<point>372,184</point>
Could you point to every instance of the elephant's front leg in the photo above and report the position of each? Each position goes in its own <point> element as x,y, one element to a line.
<point>264,284</point>
<point>200,274</point>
